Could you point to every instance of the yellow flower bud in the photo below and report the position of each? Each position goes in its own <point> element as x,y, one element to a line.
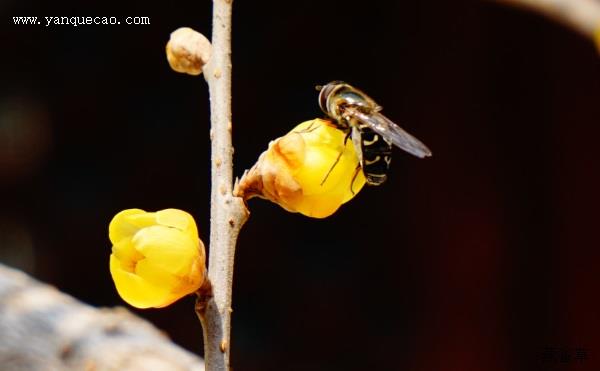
<point>310,170</point>
<point>157,258</point>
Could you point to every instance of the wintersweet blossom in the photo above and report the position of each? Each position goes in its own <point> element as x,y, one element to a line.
<point>312,170</point>
<point>157,257</point>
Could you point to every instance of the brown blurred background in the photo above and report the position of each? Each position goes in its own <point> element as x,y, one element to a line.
<point>484,257</point>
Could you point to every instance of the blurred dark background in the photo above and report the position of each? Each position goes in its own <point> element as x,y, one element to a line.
<point>484,257</point>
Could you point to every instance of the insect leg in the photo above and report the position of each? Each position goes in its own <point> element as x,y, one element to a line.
<point>333,166</point>
<point>337,159</point>
<point>308,129</point>
<point>354,178</point>
<point>346,137</point>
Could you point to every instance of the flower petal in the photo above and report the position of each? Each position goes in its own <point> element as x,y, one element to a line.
<point>136,291</point>
<point>121,227</point>
<point>330,168</point>
<point>142,220</point>
<point>168,248</point>
<point>156,275</point>
<point>319,206</point>
<point>127,254</point>
<point>178,219</point>
<point>178,285</point>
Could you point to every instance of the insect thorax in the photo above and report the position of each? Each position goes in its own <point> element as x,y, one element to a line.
<point>344,96</point>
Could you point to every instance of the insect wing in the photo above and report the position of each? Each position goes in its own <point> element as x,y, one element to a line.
<point>391,132</point>
<point>357,141</point>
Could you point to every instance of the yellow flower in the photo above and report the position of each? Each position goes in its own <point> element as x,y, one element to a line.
<point>310,170</point>
<point>157,258</point>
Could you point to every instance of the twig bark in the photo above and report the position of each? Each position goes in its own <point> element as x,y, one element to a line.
<point>227,213</point>
<point>581,15</point>
<point>44,329</point>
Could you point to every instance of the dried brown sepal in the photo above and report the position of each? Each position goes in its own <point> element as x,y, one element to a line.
<point>203,295</point>
<point>271,177</point>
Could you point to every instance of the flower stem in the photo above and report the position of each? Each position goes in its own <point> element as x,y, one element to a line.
<point>227,213</point>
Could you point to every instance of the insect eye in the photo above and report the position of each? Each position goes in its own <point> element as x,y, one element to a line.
<point>323,95</point>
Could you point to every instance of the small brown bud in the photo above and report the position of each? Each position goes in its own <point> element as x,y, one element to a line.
<point>188,51</point>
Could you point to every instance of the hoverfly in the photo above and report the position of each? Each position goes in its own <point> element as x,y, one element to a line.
<point>372,133</point>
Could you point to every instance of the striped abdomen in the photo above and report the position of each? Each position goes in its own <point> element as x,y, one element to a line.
<point>376,156</point>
